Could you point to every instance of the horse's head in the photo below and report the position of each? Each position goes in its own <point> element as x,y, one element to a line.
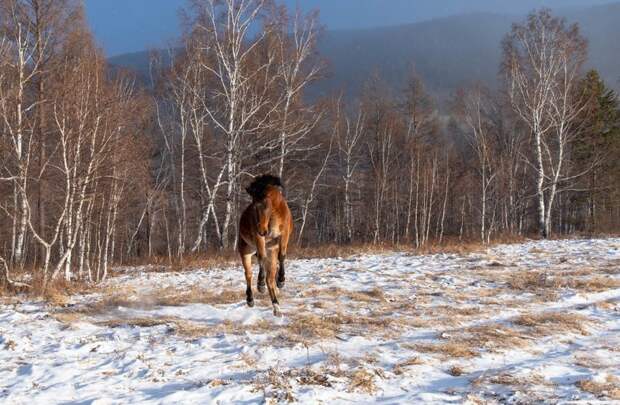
<point>263,209</point>
<point>265,191</point>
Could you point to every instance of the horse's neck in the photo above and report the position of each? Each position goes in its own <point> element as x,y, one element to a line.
<point>277,199</point>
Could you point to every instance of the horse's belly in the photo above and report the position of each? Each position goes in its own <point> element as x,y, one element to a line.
<point>271,242</point>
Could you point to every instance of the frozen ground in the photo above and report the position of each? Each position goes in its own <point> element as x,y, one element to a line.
<point>531,323</point>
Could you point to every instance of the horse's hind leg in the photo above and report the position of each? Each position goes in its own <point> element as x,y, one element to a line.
<point>247,267</point>
<point>271,281</point>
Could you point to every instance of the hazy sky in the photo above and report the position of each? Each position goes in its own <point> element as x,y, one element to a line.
<point>122,26</point>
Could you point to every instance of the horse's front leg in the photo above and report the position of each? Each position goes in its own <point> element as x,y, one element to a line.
<point>261,254</point>
<point>282,248</point>
<point>246,259</point>
<point>272,269</point>
<point>261,277</point>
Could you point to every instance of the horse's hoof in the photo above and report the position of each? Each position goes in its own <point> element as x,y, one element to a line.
<point>250,303</point>
<point>280,284</point>
<point>262,288</point>
<point>276,310</point>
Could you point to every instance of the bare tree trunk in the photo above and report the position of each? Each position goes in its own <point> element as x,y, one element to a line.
<point>445,201</point>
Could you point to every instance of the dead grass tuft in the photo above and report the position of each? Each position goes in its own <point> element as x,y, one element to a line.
<point>305,327</point>
<point>307,376</point>
<point>58,292</point>
<point>493,337</point>
<point>509,380</point>
<point>309,326</point>
<point>401,367</point>
<point>451,348</point>
<point>189,262</point>
<point>190,329</point>
<point>362,380</point>
<point>596,283</point>
<point>374,295</point>
<point>549,323</point>
<point>458,310</point>
<point>275,385</point>
<point>68,317</point>
<point>541,282</point>
<point>456,371</point>
<point>588,361</point>
<point>135,322</point>
<point>532,281</point>
<point>196,295</point>
<point>610,389</point>
<point>129,298</point>
<point>177,326</point>
<point>333,250</point>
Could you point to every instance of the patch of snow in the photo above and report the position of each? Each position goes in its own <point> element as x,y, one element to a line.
<point>44,360</point>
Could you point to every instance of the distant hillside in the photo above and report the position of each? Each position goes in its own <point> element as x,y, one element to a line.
<point>446,52</point>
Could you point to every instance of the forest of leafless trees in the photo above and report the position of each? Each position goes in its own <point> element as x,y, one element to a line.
<point>97,170</point>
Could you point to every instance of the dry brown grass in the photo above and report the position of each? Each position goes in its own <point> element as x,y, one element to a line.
<point>68,317</point>
<point>189,262</point>
<point>610,389</point>
<point>533,281</point>
<point>333,250</point>
<point>458,310</point>
<point>197,295</point>
<point>523,383</point>
<point>588,361</point>
<point>612,267</point>
<point>362,380</point>
<point>401,367</point>
<point>181,327</point>
<point>450,349</point>
<point>596,283</point>
<point>304,327</point>
<point>550,323</point>
<point>456,371</point>
<point>608,305</point>
<point>456,246</point>
<point>275,385</point>
<point>135,322</point>
<point>373,295</point>
<point>470,342</point>
<point>308,327</point>
<point>541,282</point>
<point>307,376</point>
<point>115,297</point>
<point>493,337</point>
<point>449,245</point>
<point>58,293</point>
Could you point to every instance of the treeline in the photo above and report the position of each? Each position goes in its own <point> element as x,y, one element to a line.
<point>95,171</point>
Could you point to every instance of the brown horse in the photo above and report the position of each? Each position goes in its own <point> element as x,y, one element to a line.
<point>264,229</point>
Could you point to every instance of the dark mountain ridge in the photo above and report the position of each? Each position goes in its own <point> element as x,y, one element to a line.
<point>446,52</point>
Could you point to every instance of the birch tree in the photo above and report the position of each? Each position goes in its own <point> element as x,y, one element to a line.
<point>238,104</point>
<point>542,62</point>
<point>349,146</point>
<point>475,109</point>
<point>297,68</point>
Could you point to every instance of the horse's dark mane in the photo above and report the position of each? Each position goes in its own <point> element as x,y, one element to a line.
<point>258,188</point>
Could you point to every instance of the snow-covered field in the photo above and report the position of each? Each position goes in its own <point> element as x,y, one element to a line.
<point>526,323</point>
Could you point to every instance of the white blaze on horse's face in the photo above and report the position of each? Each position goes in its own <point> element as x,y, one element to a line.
<point>263,213</point>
